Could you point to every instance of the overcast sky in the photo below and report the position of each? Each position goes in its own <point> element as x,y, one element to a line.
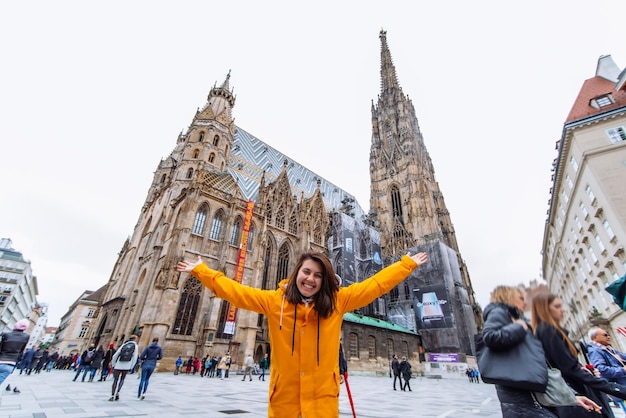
<point>94,94</point>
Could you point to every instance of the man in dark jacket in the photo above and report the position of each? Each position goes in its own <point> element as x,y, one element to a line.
<point>106,362</point>
<point>395,366</point>
<point>12,345</point>
<point>149,357</point>
<point>85,361</point>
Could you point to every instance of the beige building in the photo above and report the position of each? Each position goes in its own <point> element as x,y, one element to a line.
<point>72,334</point>
<point>585,233</point>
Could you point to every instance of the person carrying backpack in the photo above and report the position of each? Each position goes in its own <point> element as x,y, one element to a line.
<point>85,362</point>
<point>123,360</point>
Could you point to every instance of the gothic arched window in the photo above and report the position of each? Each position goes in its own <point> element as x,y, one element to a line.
<point>211,157</point>
<point>190,173</point>
<point>266,264</point>
<point>268,211</point>
<point>163,177</point>
<point>317,234</point>
<point>282,270</point>
<point>396,202</point>
<point>250,238</point>
<point>196,153</point>
<point>216,227</point>
<point>201,137</point>
<point>354,345</point>
<point>235,234</point>
<point>187,307</point>
<point>394,294</point>
<point>371,346</point>
<point>222,321</point>
<point>280,219</point>
<point>198,223</point>
<point>293,223</point>
<point>216,140</point>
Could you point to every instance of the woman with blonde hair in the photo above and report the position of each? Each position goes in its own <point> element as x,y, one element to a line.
<point>504,328</point>
<point>547,314</point>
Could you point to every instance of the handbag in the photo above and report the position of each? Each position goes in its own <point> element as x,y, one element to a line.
<point>557,393</point>
<point>520,367</point>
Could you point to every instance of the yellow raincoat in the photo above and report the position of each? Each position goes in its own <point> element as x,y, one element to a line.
<point>304,365</point>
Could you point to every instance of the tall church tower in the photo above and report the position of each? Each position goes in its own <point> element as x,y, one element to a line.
<point>406,204</point>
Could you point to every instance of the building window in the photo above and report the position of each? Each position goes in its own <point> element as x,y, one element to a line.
<point>163,177</point>
<point>216,227</point>
<point>396,203</point>
<point>293,223</point>
<point>573,163</point>
<point>282,270</point>
<point>211,158</point>
<point>187,307</point>
<point>83,332</point>
<point>235,235</point>
<point>250,238</point>
<point>583,209</point>
<point>190,173</point>
<point>616,134</point>
<point>267,263</point>
<point>216,140</point>
<point>90,313</point>
<point>371,346</point>
<point>393,295</point>
<point>564,196</point>
<point>222,321</point>
<point>568,180</point>
<point>589,192</point>
<point>604,100</point>
<point>198,223</point>
<point>201,137</point>
<point>599,242</point>
<point>608,229</point>
<point>405,349</point>
<point>354,345</point>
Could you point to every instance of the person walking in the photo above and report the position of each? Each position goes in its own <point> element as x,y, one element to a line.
<point>26,360</point>
<point>179,362</point>
<point>123,361</point>
<point>149,357</point>
<point>12,345</point>
<point>221,367</point>
<point>54,357</point>
<point>304,317</point>
<point>96,362</point>
<point>405,369</point>
<point>85,362</point>
<point>106,362</point>
<point>248,366</point>
<point>264,365</point>
<point>397,374</point>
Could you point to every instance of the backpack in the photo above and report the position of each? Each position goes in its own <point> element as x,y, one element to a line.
<point>126,352</point>
<point>89,355</point>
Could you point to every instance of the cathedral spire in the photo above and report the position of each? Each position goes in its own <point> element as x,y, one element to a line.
<point>388,78</point>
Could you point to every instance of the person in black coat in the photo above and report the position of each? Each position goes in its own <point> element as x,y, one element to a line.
<point>395,366</point>
<point>12,346</point>
<point>405,369</point>
<point>547,314</point>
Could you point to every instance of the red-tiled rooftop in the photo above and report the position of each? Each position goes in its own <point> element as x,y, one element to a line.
<point>595,87</point>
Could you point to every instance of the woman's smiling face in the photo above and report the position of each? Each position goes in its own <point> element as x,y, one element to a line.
<point>309,279</point>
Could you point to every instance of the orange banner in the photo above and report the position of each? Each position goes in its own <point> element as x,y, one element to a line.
<point>231,317</point>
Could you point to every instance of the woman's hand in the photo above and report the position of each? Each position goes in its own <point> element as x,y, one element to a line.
<point>419,258</point>
<point>521,322</point>
<point>186,266</point>
<point>588,404</point>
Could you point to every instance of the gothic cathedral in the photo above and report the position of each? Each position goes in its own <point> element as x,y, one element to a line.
<point>249,211</point>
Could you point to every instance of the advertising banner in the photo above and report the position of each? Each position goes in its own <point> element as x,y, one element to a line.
<point>433,307</point>
<point>231,316</point>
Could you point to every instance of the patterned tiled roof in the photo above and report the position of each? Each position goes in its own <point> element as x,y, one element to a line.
<point>250,157</point>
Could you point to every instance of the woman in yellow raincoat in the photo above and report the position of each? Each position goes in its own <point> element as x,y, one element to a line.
<point>304,316</point>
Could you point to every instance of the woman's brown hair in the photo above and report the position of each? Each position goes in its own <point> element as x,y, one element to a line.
<point>326,297</point>
<point>540,312</point>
